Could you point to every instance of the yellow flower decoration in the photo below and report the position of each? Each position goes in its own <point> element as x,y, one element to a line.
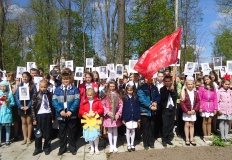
<point>91,122</point>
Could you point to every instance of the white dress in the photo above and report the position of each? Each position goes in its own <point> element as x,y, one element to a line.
<point>190,117</point>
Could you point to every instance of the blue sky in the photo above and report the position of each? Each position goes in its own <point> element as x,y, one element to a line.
<point>205,33</point>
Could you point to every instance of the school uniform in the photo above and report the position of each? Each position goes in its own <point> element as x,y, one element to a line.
<point>43,112</point>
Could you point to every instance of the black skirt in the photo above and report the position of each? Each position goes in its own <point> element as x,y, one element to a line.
<point>23,113</point>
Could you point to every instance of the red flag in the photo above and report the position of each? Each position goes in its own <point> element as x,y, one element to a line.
<point>160,55</point>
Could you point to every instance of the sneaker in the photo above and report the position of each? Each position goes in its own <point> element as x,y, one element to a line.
<point>111,149</point>
<point>133,148</point>
<point>129,148</point>
<point>97,152</point>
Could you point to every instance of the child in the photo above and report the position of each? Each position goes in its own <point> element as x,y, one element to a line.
<point>91,103</point>
<point>65,101</point>
<point>208,106</point>
<point>190,103</point>
<point>224,109</point>
<point>112,104</point>
<point>6,102</point>
<point>25,111</point>
<point>43,115</point>
<point>130,115</point>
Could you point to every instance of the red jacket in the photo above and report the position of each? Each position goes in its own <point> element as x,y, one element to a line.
<point>186,104</point>
<point>82,90</point>
<point>96,107</point>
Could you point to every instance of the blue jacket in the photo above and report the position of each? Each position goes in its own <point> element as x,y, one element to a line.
<point>6,111</point>
<point>144,93</point>
<point>73,100</point>
<point>19,103</point>
<point>130,109</point>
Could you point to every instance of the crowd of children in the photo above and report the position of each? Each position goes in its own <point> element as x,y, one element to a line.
<point>133,106</point>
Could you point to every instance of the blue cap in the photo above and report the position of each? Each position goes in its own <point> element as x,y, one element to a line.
<point>4,83</point>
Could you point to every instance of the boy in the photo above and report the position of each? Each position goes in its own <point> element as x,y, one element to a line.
<point>43,115</point>
<point>65,101</point>
<point>168,104</point>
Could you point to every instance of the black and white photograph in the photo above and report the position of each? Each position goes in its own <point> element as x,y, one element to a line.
<point>103,72</point>
<point>69,64</point>
<point>119,70</point>
<point>110,66</point>
<point>196,69</point>
<point>24,93</point>
<point>223,71</point>
<point>229,67</point>
<point>37,81</point>
<point>205,68</point>
<point>112,75</point>
<point>20,71</point>
<point>89,63</point>
<point>62,63</point>
<point>178,61</point>
<point>189,68</point>
<point>30,65</point>
<point>131,66</point>
<point>217,62</point>
<point>79,73</point>
<point>51,67</point>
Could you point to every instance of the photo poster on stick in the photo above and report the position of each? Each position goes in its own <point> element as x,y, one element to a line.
<point>79,73</point>
<point>205,68</point>
<point>132,64</point>
<point>178,61</point>
<point>110,66</point>
<point>229,67</point>
<point>51,67</point>
<point>20,71</point>
<point>37,81</point>
<point>217,63</point>
<point>223,71</point>
<point>30,65</point>
<point>112,75</point>
<point>119,70</point>
<point>103,72</point>
<point>3,74</point>
<point>196,69</point>
<point>69,64</point>
<point>89,63</point>
<point>24,93</point>
<point>189,68</point>
<point>95,69</point>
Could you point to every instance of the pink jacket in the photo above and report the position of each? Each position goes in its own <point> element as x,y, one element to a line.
<point>208,99</point>
<point>225,101</point>
<point>107,108</point>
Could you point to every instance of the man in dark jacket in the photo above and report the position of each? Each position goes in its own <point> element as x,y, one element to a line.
<point>168,105</point>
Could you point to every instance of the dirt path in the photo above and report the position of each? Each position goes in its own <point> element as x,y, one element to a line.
<point>177,153</point>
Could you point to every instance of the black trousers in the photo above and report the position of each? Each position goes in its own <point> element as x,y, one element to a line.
<point>67,128</point>
<point>44,123</point>
<point>179,121</point>
<point>168,118</point>
<point>158,124</point>
<point>148,124</point>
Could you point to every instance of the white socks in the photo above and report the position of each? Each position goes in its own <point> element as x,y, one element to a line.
<point>113,136</point>
<point>94,146</point>
<point>130,135</point>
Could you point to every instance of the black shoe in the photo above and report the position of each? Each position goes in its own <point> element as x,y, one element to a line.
<point>164,144</point>
<point>133,148</point>
<point>7,143</point>
<point>47,152</point>
<point>129,148</point>
<point>36,152</point>
<point>170,143</point>
<point>152,146</point>
<point>60,153</point>
<point>146,148</point>
<point>74,153</point>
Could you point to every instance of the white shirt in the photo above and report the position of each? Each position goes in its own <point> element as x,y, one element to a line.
<point>42,110</point>
<point>90,104</point>
<point>159,85</point>
<point>191,97</point>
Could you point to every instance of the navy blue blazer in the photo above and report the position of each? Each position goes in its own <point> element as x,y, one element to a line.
<point>130,109</point>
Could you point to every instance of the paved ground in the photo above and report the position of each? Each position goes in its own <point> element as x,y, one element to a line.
<point>17,151</point>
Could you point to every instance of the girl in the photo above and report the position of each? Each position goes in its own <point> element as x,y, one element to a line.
<point>130,114</point>
<point>190,103</point>
<point>208,106</point>
<point>51,88</point>
<point>6,102</point>
<point>25,110</point>
<point>91,103</point>
<point>96,78</point>
<point>87,84</point>
<point>224,109</point>
<point>13,85</point>
<point>112,104</point>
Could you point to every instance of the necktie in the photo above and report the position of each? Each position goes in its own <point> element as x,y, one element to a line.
<point>45,101</point>
<point>65,94</point>
<point>150,92</point>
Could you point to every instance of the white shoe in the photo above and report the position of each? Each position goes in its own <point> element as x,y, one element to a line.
<point>111,149</point>
<point>97,152</point>
<point>115,149</point>
<point>91,152</point>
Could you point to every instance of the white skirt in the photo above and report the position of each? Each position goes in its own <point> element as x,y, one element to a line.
<point>207,114</point>
<point>189,117</point>
<point>131,124</point>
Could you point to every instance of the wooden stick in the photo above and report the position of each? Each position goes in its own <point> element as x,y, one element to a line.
<point>24,106</point>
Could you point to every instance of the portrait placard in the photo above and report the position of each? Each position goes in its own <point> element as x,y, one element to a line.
<point>69,64</point>
<point>229,67</point>
<point>24,93</point>
<point>30,65</point>
<point>119,70</point>
<point>131,66</point>
<point>103,72</point>
<point>89,63</point>
<point>217,62</point>
<point>79,73</point>
<point>20,71</point>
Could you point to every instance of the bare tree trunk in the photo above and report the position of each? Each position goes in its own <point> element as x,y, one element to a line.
<point>83,28</point>
<point>107,13</point>
<point>69,29</point>
<point>121,31</point>
<point>113,36</point>
<point>2,23</point>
